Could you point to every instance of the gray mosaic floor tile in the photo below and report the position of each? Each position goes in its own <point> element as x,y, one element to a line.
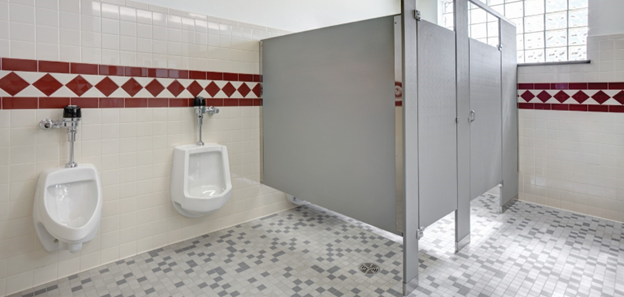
<point>308,251</point>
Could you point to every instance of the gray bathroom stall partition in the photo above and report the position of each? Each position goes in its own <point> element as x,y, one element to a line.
<point>437,128</point>
<point>329,118</point>
<point>509,191</point>
<point>486,120</point>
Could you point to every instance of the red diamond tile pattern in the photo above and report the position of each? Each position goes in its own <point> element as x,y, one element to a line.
<point>194,88</point>
<point>601,97</point>
<point>561,96</point>
<point>154,87</point>
<point>175,88</point>
<point>79,85</point>
<point>619,97</point>
<point>13,83</point>
<point>229,89</point>
<point>107,86</point>
<point>580,96</point>
<point>527,96</point>
<point>244,90</point>
<point>212,89</point>
<point>48,84</point>
<point>544,96</point>
<point>132,87</point>
<point>258,90</point>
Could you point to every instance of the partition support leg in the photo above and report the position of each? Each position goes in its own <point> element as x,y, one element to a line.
<point>462,230</point>
<point>410,286</point>
<point>507,195</point>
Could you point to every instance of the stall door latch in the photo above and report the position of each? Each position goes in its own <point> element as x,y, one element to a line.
<point>420,233</point>
<point>417,15</point>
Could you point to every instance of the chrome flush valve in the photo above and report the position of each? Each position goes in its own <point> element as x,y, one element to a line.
<point>199,103</point>
<point>71,120</point>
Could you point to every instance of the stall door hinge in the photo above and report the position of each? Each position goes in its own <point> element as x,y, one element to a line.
<point>420,233</point>
<point>417,15</point>
<point>500,47</point>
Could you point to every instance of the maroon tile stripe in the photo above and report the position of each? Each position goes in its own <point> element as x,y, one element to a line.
<point>48,85</point>
<point>107,102</point>
<point>11,64</point>
<point>572,86</point>
<point>575,96</point>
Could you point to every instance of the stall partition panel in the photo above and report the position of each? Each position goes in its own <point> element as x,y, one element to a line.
<point>437,127</point>
<point>509,191</point>
<point>329,118</point>
<point>486,120</point>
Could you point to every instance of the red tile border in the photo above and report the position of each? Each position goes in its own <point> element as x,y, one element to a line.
<point>616,86</point>
<point>197,74</point>
<point>178,102</point>
<point>135,71</point>
<point>559,86</point>
<point>158,102</point>
<point>135,102</point>
<point>19,64</point>
<point>245,77</point>
<point>597,86</point>
<point>54,67</point>
<point>560,107</point>
<point>53,102</point>
<point>214,75</point>
<point>578,86</point>
<point>245,102</point>
<point>178,74</point>
<point>20,102</point>
<point>542,86</point>
<point>111,70</point>
<point>616,108</point>
<point>111,102</point>
<point>82,68</point>
<point>157,72</point>
<point>580,92</point>
<point>600,108</point>
<point>230,76</point>
<point>214,102</point>
<point>574,107</point>
<point>86,102</point>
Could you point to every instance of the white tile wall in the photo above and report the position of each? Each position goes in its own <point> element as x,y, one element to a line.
<point>132,149</point>
<point>128,33</point>
<point>575,160</point>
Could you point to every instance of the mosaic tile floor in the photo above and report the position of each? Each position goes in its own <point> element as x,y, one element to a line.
<point>308,251</point>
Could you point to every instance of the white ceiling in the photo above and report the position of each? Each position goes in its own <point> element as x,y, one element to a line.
<point>297,15</point>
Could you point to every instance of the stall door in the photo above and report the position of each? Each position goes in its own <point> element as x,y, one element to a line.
<point>486,120</point>
<point>437,127</point>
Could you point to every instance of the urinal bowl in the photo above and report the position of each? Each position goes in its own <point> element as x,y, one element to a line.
<point>68,207</point>
<point>200,179</point>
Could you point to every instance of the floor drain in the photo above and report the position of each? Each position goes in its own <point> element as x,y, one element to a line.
<point>369,268</point>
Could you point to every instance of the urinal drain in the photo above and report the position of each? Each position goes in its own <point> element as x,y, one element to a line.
<point>369,268</point>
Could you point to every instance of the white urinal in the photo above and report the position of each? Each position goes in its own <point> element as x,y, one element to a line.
<point>200,179</point>
<point>68,207</point>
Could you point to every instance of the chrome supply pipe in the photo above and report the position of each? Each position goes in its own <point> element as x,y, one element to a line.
<point>71,120</point>
<point>199,103</point>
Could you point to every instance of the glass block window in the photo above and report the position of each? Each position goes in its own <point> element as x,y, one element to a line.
<point>548,30</point>
<point>483,25</point>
